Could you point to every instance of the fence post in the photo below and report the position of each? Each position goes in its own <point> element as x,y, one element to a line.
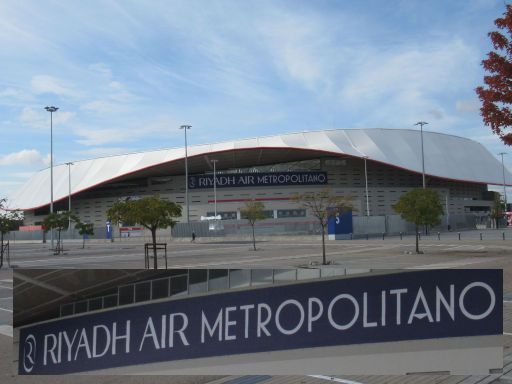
<point>438,235</point>
<point>480,235</point>
<point>503,235</point>
<point>459,235</point>
<point>383,234</point>
<point>400,235</point>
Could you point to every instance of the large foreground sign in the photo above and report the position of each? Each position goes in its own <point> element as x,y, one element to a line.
<point>268,179</point>
<point>393,307</point>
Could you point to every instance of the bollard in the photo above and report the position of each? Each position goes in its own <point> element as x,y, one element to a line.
<point>383,234</point>
<point>419,235</point>
<point>438,235</point>
<point>351,236</point>
<point>480,235</point>
<point>400,235</point>
<point>503,235</point>
<point>366,236</point>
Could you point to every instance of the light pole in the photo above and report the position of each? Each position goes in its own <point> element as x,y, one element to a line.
<point>69,164</point>
<point>421,124</point>
<point>185,128</point>
<point>503,170</point>
<point>51,109</point>
<point>366,186</point>
<point>214,188</point>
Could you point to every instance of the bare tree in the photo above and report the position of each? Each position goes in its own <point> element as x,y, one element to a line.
<point>253,211</point>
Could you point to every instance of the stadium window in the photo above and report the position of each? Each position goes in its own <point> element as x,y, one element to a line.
<point>231,215</point>
<point>287,213</point>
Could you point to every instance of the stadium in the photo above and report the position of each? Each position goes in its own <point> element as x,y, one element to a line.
<point>372,166</point>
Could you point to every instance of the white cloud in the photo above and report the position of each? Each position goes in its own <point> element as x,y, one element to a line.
<point>24,157</point>
<point>467,106</point>
<point>39,118</point>
<point>49,84</point>
<point>101,68</point>
<point>102,106</point>
<point>95,136</point>
<point>104,151</point>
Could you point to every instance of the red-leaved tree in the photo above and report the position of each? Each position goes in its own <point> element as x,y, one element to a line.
<point>496,95</point>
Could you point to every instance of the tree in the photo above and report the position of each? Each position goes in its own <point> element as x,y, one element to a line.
<point>253,211</point>
<point>497,209</point>
<point>496,98</point>
<point>151,212</point>
<point>8,222</point>
<point>323,205</point>
<point>84,229</point>
<point>60,222</point>
<point>421,207</point>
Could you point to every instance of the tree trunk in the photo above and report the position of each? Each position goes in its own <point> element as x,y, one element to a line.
<point>324,261</point>
<point>59,244</point>
<point>153,235</point>
<point>253,238</point>
<point>417,240</point>
<point>1,249</point>
<point>83,242</point>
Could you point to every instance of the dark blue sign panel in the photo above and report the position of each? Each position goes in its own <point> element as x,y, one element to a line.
<point>235,180</point>
<point>400,306</point>
<point>340,224</point>
<point>108,230</point>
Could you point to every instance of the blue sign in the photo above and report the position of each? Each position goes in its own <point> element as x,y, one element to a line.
<point>340,224</point>
<point>108,230</point>
<point>256,179</point>
<point>400,306</point>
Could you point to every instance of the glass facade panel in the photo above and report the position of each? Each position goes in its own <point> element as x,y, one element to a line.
<point>160,288</point>
<point>178,285</point>
<point>197,280</point>
<point>81,306</point>
<point>307,273</point>
<point>126,295</point>
<point>285,275</point>
<point>142,291</point>
<point>96,303</point>
<point>218,279</point>
<point>67,309</point>
<point>239,278</point>
<point>287,213</point>
<point>109,301</point>
<point>261,276</point>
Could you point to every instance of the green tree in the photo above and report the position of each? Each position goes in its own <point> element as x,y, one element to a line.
<point>497,209</point>
<point>151,212</point>
<point>323,205</point>
<point>253,211</point>
<point>421,207</point>
<point>60,222</point>
<point>496,95</point>
<point>8,222</point>
<point>84,229</point>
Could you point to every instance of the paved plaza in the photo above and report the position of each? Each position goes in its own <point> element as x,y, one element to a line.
<point>391,253</point>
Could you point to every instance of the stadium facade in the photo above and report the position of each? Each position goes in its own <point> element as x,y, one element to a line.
<point>274,168</point>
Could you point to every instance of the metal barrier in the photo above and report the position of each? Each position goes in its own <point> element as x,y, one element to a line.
<point>155,248</point>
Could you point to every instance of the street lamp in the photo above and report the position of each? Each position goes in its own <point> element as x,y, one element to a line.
<point>421,124</point>
<point>185,128</point>
<point>366,186</point>
<point>503,170</point>
<point>69,193</point>
<point>214,188</point>
<point>51,109</point>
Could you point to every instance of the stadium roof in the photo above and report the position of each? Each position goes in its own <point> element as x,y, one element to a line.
<point>446,156</point>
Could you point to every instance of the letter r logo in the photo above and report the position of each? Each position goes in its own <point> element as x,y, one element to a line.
<point>29,353</point>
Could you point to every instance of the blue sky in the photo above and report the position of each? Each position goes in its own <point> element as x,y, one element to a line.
<point>127,74</point>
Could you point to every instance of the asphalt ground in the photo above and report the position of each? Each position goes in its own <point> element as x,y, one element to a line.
<point>391,253</point>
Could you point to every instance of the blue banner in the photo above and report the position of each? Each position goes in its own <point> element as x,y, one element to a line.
<point>256,179</point>
<point>372,309</point>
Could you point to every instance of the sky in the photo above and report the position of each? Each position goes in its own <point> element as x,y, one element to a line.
<point>126,74</point>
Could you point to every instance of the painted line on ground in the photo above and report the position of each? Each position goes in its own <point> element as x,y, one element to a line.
<point>507,333</point>
<point>6,330</point>
<point>452,264</point>
<point>5,287</point>
<point>6,310</point>
<point>334,379</point>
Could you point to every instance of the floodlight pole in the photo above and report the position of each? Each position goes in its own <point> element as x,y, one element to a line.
<point>215,187</point>
<point>185,128</point>
<point>366,186</point>
<point>421,124</point>
<point>51,109</point>
<point>69,164</point>
<point>504,187</point>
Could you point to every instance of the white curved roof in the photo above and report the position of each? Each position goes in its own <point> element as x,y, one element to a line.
<point>446,156</point>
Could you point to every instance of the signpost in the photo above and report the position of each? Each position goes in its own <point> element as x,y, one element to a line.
<point>404,306</point>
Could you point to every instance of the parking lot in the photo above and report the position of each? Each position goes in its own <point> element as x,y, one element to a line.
<point>391,253</point>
